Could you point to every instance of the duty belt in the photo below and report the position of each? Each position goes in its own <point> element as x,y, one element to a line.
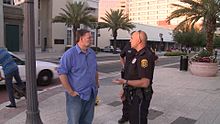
<point>130,92</point>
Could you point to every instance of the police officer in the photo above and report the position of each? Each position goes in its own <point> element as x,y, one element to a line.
<point>126,57</point>
<point>139,90</point>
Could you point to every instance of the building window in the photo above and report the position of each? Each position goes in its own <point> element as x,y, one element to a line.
<point>38,4</point>
<point>93,38</point>
<point>39,38</point>
<point>162,11</point>
<point>69,37</point>
<point>58,41</point>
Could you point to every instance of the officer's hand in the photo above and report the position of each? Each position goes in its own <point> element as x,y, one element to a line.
<point>74,93</point>
<point>119,81</point>
<point>122,95</point>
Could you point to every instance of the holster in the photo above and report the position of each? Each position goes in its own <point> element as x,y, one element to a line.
<point>122,73</point>
<point>131,92</point>
<point>128,92</point>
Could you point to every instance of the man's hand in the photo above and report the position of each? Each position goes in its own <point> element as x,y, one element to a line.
<point>74,93</point>
<point>119,81</point>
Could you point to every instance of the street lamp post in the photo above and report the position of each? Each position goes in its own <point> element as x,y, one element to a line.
<point>161,40</point>
<point>33,114</point>
<point>96,36</point>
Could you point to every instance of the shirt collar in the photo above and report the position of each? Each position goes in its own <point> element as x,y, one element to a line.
<point>80,51</point>
<point>142,51</point>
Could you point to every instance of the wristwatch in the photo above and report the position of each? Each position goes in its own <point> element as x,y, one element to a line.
<point>126,83</point>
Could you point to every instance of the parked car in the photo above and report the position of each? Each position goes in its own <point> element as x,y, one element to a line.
<point>111,49</point>
<point>45,71</point>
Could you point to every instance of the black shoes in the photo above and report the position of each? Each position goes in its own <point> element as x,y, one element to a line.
<point>11,106</point>
<point>122,120</point>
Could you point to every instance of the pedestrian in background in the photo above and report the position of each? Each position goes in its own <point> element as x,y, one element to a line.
<point>78,75</point>
<point>11,71</point>
<point>138,89</point>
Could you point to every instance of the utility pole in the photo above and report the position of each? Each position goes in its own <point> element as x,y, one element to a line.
<point>33,114</point>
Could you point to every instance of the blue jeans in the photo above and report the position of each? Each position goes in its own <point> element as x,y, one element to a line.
<point>78,110</point>
<point>9,85</point>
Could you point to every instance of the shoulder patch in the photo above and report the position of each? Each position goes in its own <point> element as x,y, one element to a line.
<point>144,63</point>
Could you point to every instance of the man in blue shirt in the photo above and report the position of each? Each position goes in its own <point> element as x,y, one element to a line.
<point>10,70</point>
<point>79,77</point>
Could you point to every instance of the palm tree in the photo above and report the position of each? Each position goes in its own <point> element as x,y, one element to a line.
<point>75,14</point>
<point>116,20</point>
<point>194,10</point>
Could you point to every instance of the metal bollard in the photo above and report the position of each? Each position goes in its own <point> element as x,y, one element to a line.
<point>183,63</point>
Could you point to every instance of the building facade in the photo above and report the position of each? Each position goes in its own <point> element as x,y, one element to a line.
<point>106,5</point>
<point>11,25</point>
<point>53,37</point>
<point>153,32</point>
<point>152,12</point>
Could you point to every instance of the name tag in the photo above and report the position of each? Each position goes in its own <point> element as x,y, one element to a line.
<point>134,60</point>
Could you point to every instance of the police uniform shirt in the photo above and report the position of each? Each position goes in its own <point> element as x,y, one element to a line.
<point>128,53</point>
<point>142,65</point>
<point>153,52</point>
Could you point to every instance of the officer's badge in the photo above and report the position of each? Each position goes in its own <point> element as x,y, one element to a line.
<point>144,63</point>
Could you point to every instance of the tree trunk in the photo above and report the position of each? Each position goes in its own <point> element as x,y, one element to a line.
<point>114,44</point>
<point>210,30</point>
<point>74,35</point>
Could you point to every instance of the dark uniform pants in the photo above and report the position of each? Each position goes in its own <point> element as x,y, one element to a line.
<point>125,102</point>
<point>138,109</point>
<point>125,109</point>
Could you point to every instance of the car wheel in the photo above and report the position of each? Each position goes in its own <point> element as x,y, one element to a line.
<point>44,78</point>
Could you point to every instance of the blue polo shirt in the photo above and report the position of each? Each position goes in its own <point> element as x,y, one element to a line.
<point>7,62</point>
<point>80,69</point>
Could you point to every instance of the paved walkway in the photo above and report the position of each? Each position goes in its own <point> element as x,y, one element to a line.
<point>179,98</point>
<point>56,55</point>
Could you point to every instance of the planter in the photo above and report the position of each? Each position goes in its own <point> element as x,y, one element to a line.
<point>203,69</point>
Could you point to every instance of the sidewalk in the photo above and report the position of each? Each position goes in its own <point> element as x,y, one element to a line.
<point>179,98</point>
<point>56,55</point>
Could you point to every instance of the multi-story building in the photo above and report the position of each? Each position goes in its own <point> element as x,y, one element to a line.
<point>152,12</point>
<point>11,23</point>
<point>53,36</point>
<point>106,5</point>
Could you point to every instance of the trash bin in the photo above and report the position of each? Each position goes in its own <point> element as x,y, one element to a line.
<point>183,63</point>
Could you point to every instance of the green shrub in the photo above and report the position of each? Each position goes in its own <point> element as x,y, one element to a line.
<point>174,53</point>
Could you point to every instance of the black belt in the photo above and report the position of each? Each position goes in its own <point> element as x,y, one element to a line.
<point>131,91</point>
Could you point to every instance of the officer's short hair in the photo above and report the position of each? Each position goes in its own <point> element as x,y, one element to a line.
<point>80,33</point>
<point>142,36</point>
